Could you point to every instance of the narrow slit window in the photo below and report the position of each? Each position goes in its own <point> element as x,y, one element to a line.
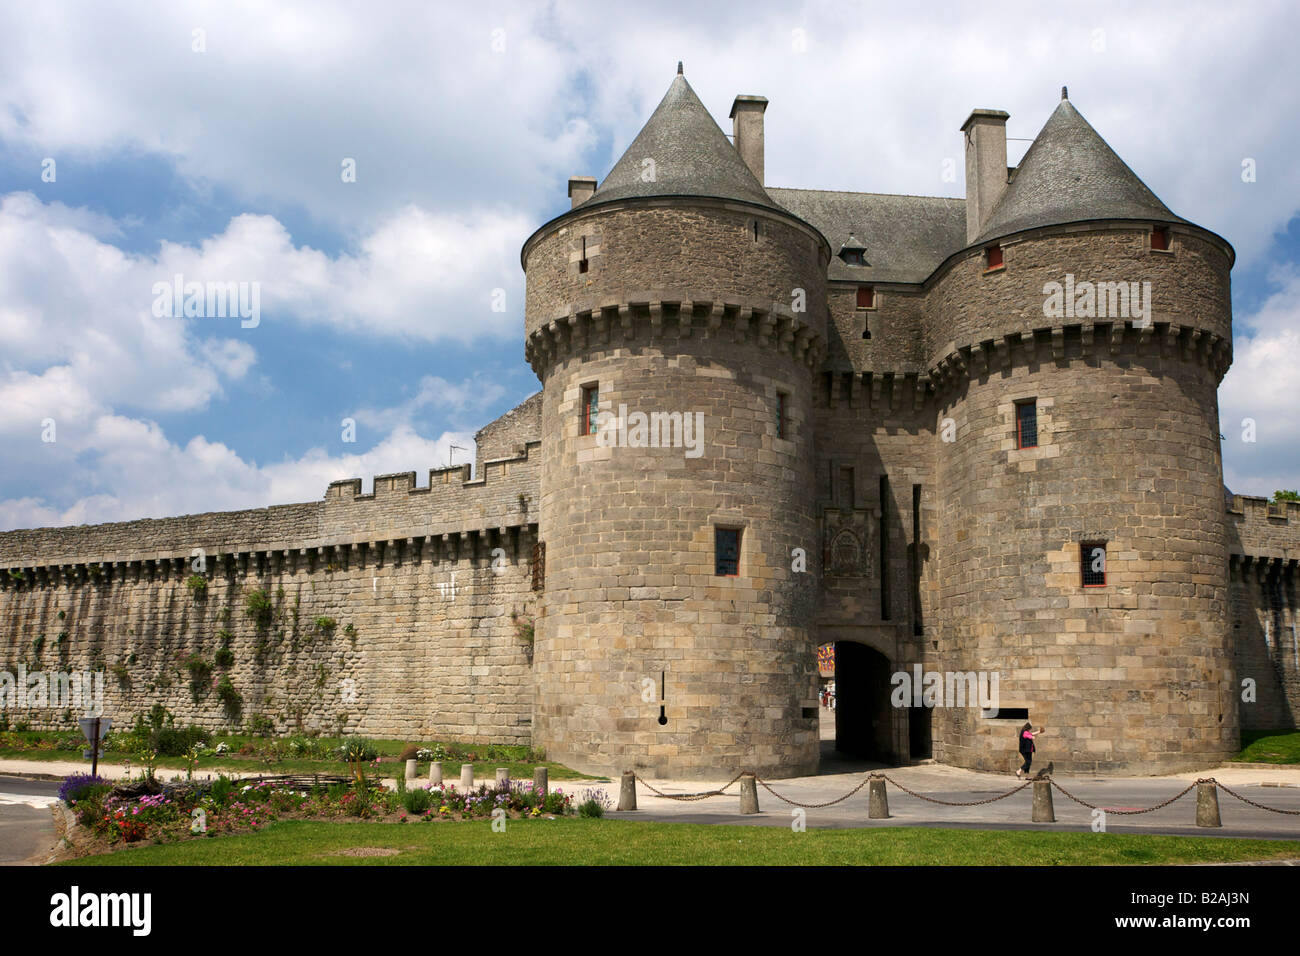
<point>782,415</point>
<point>1027,424</point>
<point>583,264</point>
<point>539,566</point>
<point>590,409</point>
<point>726,552</point>
<point>992,258</point>
<point>1092,563</point>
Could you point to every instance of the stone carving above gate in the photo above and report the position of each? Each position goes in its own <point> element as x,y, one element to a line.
<point>848,542</point>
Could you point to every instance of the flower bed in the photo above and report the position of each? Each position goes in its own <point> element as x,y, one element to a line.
<point>112,817</point>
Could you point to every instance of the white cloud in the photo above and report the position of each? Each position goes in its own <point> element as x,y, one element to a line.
<point>472,396</point>
<point>1261,394</point>
<point>142,474</point>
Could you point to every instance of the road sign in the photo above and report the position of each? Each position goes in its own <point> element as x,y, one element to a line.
<point>88,727</point>
<point>94,729</point>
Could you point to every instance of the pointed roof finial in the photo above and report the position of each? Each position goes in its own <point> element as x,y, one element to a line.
<point>1065,92</point>
<point>679,67</point>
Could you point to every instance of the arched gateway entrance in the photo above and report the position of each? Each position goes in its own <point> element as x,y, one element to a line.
<point>866,726</point>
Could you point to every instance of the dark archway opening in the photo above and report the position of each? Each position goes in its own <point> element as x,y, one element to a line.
<point>864,719</point>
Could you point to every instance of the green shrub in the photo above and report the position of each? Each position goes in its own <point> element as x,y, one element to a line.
<point>257,605</point>
<point>259,725</point>
<point>158,732</point>
<point>417,800</point>
<point>223,788</point>
<point>326,625</point>
<point>200,675</point>
<point>223,657</point>
<point>197,584</point>
<point>232,702</point>
<point>358,750</point>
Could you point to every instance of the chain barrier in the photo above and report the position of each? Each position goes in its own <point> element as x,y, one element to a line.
<point>721,791</point>
<point>703,795</point>
<point>1131,813</point>
<point>1259,806</point>
<point>815,806</point>
<point>954,803</point>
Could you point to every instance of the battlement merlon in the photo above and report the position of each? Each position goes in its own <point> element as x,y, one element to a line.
<point>1264,529</point>
<point>501,501</point>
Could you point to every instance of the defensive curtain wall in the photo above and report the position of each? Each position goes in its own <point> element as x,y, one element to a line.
<point>1264,544</point>
<point>403,612</point>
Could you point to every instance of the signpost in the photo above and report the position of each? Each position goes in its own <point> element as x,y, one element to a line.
<point>94,729</point>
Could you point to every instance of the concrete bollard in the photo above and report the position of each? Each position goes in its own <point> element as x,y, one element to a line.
<point>1207,805</point>
<point>748,794</point>
<point>435,772</point>
<point>878,801</point>
<point>540,784</point>
<point>466,776</point>
<point>503,778</point>
<point>627,791</point>
<point>1043,810</point>
<point>410,770</point>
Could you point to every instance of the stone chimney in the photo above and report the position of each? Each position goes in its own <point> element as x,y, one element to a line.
<point>747,125</point>
<point>986,166</point>
<point>580,189</point>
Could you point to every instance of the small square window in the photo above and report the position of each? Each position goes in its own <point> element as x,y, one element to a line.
<point>1160,239</point>
<point>866,297</point>
<point>590,409</point>
<point>1092,563</point>
<point>1027,424</point>
<point>726,552</point>
<point>992,258</point>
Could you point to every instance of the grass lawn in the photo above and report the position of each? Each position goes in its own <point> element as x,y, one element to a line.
<point>1270,746</point>
<point>484,769</point>
<point>594,842</point>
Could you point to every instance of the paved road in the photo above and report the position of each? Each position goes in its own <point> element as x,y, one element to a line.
<point>26,823</point>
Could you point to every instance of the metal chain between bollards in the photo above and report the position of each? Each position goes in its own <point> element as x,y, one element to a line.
<point>1258,806</point>
<point>954,803</point>
<point>815,806</point>
<point>1131,813</point>
<point>721,791</point>
<point>704,795</point>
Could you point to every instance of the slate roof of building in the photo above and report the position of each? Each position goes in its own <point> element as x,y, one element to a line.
<point>906,237</point>
<point>1070,174</point>
<point>692,157</point>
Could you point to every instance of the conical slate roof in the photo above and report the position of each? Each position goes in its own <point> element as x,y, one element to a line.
<point>1070,174</point>
<point>691,157</point>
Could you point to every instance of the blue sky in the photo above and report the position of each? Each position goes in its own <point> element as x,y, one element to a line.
<point>218,154</point>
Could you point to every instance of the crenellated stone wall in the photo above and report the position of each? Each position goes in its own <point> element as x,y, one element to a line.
<point>1264,543</point>
<point>406,611</point>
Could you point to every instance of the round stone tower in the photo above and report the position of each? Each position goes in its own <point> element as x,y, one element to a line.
<point>1078,343</point>
<point>675,317</point>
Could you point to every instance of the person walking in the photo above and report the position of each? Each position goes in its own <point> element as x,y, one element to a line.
<point>1026,741</point>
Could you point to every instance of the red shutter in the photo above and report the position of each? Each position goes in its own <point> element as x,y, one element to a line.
<point>866,297</point>
<point>1160,239</point>
<point>993,255</point>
